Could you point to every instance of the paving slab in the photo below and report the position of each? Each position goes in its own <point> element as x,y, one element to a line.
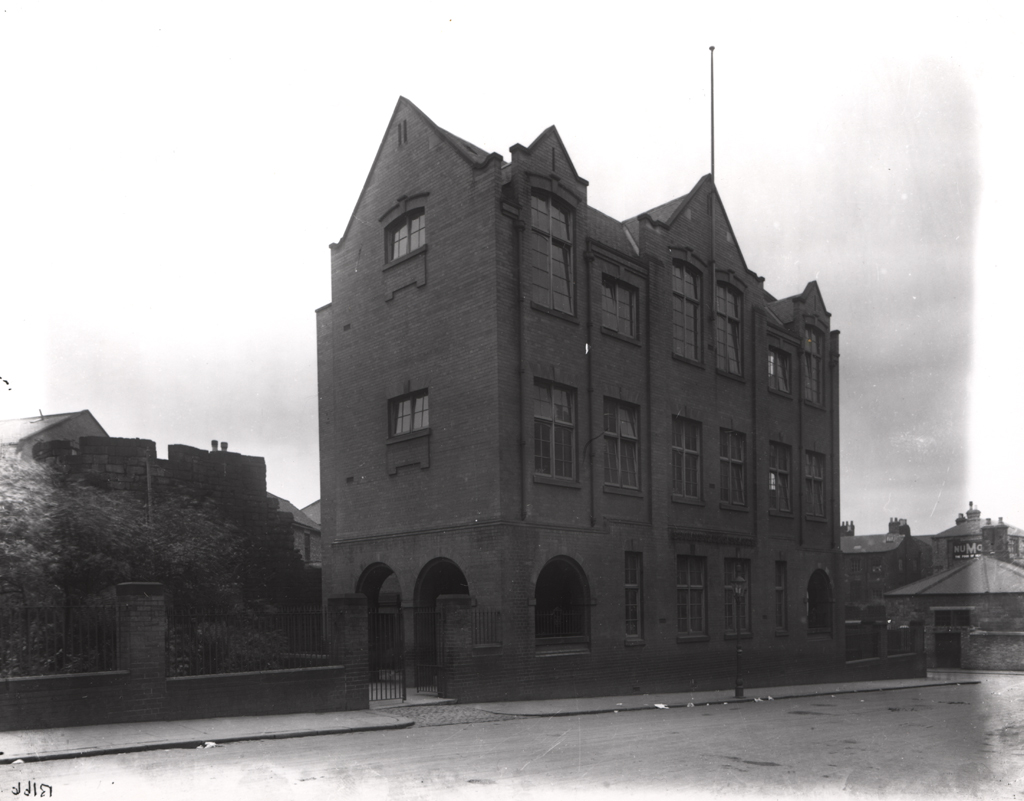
<point>117,738</point>
<point>625,703</point>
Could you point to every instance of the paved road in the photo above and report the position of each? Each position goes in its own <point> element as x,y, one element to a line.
<point>950,742</point>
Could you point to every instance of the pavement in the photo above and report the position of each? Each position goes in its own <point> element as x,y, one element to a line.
<point>36,745</point>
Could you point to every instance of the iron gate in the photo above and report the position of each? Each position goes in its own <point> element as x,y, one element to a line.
<point>429,651</point>
<point>386,654</point>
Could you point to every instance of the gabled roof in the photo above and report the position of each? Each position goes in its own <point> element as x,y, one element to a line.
<point>300,517</point>
<point>870,543</point>
<point>551,130</point>
<point>667,213</point>
<point>783,308</point>
<point>982,575</point>
<point>14,431</point>
<point>472,154</point>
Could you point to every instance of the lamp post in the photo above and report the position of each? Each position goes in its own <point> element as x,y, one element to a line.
<point>739,587</point>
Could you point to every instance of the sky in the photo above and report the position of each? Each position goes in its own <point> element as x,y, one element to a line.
<point>172,176</point>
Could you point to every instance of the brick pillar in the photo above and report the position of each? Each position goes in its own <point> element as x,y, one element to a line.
<point>349,620</point>
<point>457,614</point>
<point>142,648</point>
<point>881,634</point>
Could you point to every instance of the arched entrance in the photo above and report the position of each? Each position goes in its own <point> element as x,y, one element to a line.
<point>562,603</point>
<point>819,603</point>
<point>438,577</point>
<point>384,632</point>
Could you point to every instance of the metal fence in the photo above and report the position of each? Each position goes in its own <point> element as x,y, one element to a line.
<point>560,622</point>
<point>47,640</point>
<point>899,641</point>
<point>204,642</point>
<point>862,641</point>
<point>486,626</point>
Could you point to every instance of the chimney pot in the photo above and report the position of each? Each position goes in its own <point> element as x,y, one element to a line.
<point>213,444</point>
<point>223,446</point>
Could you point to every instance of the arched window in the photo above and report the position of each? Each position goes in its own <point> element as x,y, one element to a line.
<point>728,329</point>
<point>562,597</point>
<point>812,365</point>
<point>819,603</point>
<point>686,320</point>
<point>551,249</point>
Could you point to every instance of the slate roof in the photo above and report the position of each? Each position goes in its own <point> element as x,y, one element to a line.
<point>983,575</point>
<point>298,515</point>
<point>870,543</point>
<point>609,231</point>
<point>313,511</point>
<point>14,431</point>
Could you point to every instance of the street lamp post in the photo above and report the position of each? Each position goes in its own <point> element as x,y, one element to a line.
<point>739,587</point>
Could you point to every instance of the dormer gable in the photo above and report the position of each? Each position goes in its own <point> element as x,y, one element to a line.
<point>547,165</point>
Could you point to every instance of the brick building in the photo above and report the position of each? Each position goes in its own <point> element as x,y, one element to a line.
<point>18,437</point>
<point>967,538</point>
<point>973,612</point>
<point>873,564</point>
<point>594,431</point>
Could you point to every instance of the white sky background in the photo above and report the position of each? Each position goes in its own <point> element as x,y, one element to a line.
<point>171,176</point>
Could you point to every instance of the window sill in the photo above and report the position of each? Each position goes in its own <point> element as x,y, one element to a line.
<point>738,377</point>
<point>422,432</point>
<point>781,632</point>
<point>746,635</point>
<point>776,513</point>
<point>686,360</point>
<point>632,493</point>
<point>816,518</point>
<point>569,318</point>
<point>684,638</point>
<point>412,254</point>
<point>814,404</point>
<point>633,642</point>
<point>688,501</point>
<point>781,393</point>
<point>819,634</point>
<point>557,482</point>
<point>621,337</point>
<point>732,507</point>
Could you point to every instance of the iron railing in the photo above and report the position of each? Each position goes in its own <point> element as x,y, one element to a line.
<point>486,626</point>
<point>899,641</point>
<point>46,640</point>
<point>561,622</point>
<point>204,642</point>
<point>862,641</point>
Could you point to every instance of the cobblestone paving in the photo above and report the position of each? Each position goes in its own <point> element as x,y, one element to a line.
<point>445,715</point>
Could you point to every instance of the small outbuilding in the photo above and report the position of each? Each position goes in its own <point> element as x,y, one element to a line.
<point>973,614</point>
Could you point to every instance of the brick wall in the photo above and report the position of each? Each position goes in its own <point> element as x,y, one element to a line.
<point>140,690</point>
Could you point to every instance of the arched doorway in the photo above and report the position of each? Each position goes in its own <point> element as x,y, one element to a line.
<point>380,586</point>
<point>438,577</point>
<point>819,603</point>
<point>384,633</point>
<point>562,597</point>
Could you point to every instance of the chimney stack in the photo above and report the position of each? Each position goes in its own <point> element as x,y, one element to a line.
<point>213,445</point>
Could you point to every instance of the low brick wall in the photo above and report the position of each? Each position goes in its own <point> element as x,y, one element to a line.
<point>992,650</point>
<point>140,690</point>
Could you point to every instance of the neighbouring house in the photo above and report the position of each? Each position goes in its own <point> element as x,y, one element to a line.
<point>17,437</point>
<point>966,539</point>
<point>601,442</point>
<point>305,531</point>
<point>973,613</point>
<point>873,564</point>
<point>313,512</point>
